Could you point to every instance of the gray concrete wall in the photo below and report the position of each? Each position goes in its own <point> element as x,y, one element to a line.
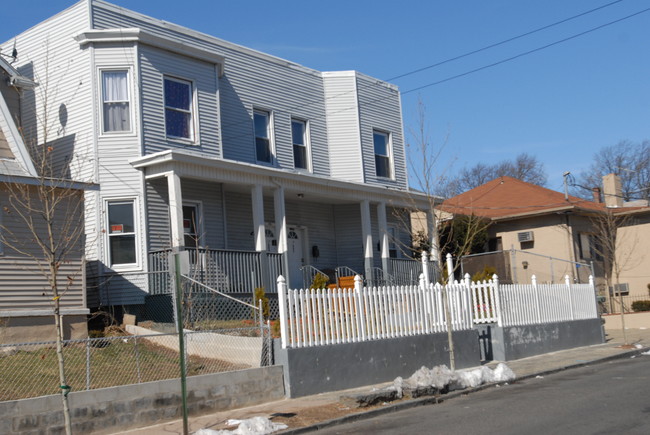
<point>313,370</point>
<point>514,342</point>
<point>111,410</point>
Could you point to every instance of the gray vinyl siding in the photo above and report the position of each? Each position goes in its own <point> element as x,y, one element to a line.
<point>251,80</point>
<point>348,236</point>
<point>343,126</point>
<point>379,109</point>
<point>22,283</point>
<point>158,214</point>
<point>67,85</point>
<point>318,219</point>
<point>239,218</point>
<point>156,64</point>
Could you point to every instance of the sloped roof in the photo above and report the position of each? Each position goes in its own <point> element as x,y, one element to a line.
<point>507,197</point>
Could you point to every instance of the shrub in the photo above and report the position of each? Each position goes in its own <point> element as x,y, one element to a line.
<point>260,295</point>
<point>641,306</point>
<point>320,282</point>
<point>484,275</point>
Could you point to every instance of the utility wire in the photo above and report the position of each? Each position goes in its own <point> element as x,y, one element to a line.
<point>408,73</point>
<point>496,44</point>
<point>534,50</point>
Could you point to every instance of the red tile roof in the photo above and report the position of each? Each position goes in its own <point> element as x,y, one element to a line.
<point>507,197</point>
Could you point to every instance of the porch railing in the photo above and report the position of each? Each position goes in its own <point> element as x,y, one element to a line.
<point>309,273</point>
<point>223,270</point>
<point>406,271</point>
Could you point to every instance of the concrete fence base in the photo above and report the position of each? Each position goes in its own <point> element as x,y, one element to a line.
<point>313,370</point>
<point>514,342</point>
<point>111,410</point>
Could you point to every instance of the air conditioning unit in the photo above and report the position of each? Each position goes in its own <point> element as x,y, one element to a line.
<point>526,236</point>
<point>619,289</point>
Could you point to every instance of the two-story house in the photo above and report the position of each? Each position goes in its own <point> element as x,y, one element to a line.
<point>258,165</point>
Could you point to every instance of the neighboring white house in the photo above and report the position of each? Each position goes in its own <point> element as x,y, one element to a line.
<point>262,164</point>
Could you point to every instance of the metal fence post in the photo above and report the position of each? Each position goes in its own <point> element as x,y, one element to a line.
<point>282,306</point>
<point>88,364</point>
<point>450,269</point>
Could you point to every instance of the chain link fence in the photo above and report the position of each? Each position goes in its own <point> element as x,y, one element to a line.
<point>221,333</point>
<point>31,369</point>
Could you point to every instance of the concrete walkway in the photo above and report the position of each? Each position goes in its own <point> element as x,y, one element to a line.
<point>310,413</point>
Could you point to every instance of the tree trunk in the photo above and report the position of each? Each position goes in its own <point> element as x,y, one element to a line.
<point>65,388</point>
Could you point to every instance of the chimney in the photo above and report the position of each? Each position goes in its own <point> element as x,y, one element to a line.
<point>612,191</point>
<point>595,192</point>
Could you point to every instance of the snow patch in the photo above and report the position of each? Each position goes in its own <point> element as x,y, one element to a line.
<point>638,346</point>
<point>441,377</point>
<point>646,353</point>
<point>251,426</point>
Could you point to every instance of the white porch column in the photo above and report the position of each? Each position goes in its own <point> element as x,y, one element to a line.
<point>432,232</point>
<point>281,231</point>
<point>257,197</point>
<point>175,209</point>
<point>366,234</point>
<point>383,238</point>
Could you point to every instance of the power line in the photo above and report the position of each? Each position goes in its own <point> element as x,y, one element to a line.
<point>534,50</point>
<point>505,41</point>
<point>408,73</point>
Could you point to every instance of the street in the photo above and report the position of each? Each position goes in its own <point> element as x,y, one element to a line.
<point>605,398</point>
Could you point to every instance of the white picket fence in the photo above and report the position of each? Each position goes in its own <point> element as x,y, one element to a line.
<point>546,303</point>
<point>329,316</point>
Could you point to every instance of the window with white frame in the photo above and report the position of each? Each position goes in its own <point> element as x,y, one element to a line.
<point>122,247</point>
<point>299,139</point>
<point>381,141</point>
<point>115,101</point>
<point>178,109</point>
<point>191,222</point>
<point>263,145</point>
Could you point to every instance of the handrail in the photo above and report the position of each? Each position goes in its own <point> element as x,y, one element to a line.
<point>345,271</point>
<point>309,272</point>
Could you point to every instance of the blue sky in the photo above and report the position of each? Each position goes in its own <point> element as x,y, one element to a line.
<point>560,104</point>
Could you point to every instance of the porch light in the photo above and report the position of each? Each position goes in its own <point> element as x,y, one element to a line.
<point>524,264</point>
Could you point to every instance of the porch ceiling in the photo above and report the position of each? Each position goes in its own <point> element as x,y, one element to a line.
<point>239,177</point>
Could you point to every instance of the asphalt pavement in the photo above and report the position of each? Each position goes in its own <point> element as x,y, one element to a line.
<point>299,413</point>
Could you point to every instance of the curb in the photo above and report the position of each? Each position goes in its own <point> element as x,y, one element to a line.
<point>413,403</point>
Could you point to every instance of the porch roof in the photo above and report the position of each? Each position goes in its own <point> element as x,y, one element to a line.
<point>200,166</point>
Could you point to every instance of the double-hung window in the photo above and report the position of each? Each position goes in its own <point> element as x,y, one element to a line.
<point>178,109</point>
<point>191,226</point>
<point>115,101</point>
<point>381,143</point>
<point>263,151</point>
<point>299,138</point>
<point>121,232</point>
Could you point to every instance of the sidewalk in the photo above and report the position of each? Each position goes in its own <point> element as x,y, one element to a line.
<point>316,411</point>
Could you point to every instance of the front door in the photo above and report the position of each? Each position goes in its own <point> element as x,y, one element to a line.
<point>296,257</point>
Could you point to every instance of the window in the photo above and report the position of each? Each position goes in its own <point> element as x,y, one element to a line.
<point>121,232</point>
<point>382,154</point>
<point>191,232</point>
<point>299,138</point>
<point>115,101</point>
<point>392,241</point>
<point>178,109</point>
<point>262,121</point>
<point>589,247</point>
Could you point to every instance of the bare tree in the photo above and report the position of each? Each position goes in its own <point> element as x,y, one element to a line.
<point>43,224</point>
<point>608,241</point>
<point>524,167</point>
<point>629,160</point>
<point>425,162</point>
